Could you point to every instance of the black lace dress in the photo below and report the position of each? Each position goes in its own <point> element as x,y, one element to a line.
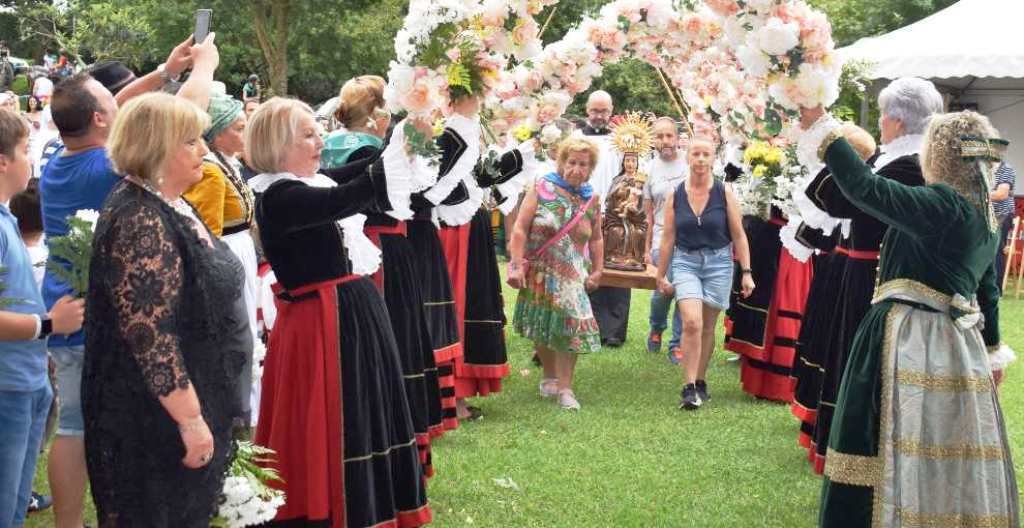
<point>162,307</point>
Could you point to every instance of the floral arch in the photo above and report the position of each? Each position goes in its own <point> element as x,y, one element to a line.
<point>742,67</point>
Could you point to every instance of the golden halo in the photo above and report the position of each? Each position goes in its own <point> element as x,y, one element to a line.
<point>632,134</point>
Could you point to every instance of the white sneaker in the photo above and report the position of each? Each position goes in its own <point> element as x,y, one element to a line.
<point>548,387</point>
<point>567,399</point>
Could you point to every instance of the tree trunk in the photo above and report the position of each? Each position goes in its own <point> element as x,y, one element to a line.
<point>271,22</point>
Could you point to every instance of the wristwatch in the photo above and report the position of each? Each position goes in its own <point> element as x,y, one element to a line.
<point>747,271</point>
<point>45,326</point>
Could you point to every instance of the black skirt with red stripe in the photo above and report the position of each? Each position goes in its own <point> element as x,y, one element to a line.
<point>815,335</point>
<point>486,360</point>
<point>764,327</point>
<point>854,301</point>
<point>439,307</point>
<point>334,409</point>
<point>399,281</point>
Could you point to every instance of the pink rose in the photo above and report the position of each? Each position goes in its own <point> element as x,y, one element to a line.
<point>454,54</point>
<point>525,31</point>
<point>723,7</point>
<point>692,24</point>
<point>419,99</point>
<point>816,37</point>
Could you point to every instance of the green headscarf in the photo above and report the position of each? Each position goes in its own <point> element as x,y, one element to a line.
<point>223,111</point>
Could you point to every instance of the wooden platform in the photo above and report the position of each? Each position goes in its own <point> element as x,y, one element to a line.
<point>642,280</point>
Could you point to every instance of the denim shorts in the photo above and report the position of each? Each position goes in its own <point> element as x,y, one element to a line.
<point>704,274</point>
<point>69,362</point>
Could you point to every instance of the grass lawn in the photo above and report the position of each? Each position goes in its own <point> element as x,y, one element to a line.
<point>629,457</point>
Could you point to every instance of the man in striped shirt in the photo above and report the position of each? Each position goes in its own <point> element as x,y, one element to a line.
<point>1002,204</point>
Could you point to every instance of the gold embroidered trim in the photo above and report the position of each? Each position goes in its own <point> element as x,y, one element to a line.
<point>945,383</point>
<point>855,470</point>
<point>888,365</point>
<point>830,138</point>
<point>411,443</point>
<point>920,290</point>
<point>912,519</point>
<point>953,452</point>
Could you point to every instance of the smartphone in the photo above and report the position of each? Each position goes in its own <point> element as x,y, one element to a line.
<point>203,17</point>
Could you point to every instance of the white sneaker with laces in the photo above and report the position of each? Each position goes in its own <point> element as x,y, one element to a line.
<point>567,399</point>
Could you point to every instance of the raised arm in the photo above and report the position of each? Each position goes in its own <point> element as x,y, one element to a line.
<point>291,206</point>
<point>145,280</point>
<point>920,211</point>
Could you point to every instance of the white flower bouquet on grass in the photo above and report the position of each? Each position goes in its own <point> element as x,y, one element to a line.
<point>247,499</point>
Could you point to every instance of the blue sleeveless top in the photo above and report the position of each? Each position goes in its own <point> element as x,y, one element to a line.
<point>710,230</point>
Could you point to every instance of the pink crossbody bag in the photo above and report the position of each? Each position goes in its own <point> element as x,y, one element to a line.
<point>558,236</point>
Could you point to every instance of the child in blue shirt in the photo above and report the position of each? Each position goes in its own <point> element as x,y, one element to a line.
<point>25,391</point>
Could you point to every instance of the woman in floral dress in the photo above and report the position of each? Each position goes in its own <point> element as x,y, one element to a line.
<point>557,224</point>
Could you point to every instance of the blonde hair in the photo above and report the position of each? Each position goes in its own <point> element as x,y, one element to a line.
<point>942,155</point>
<point>859,139</point>
<point>575,145</point>
<point>153,120</point>
<point>271,129</point>
<point>359,99</point>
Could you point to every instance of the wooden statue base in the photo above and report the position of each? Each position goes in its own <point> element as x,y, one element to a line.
<point>642,280</point>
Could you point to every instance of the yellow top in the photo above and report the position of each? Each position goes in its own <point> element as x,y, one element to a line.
<point>221,198</point>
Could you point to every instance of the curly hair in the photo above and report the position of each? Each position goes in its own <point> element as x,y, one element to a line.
<point>942,159</point>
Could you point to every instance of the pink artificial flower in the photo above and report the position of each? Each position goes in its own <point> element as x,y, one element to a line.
<point>723,7</point>
<point>525,31</point>
<point>816,37</point>
<point>693,24</point>
<point>454,54</point>
<point>419,99</point>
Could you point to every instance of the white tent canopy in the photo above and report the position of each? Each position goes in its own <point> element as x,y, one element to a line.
<point>973,51</point>
<point>971,38</point>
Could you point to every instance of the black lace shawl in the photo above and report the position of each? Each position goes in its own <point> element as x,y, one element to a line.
<point>158,299</point>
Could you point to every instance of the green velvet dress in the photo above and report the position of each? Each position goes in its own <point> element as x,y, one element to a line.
<point>918,438</point>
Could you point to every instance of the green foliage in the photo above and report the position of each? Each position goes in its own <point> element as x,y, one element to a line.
<point>331,42</point>
<point>74,249</point>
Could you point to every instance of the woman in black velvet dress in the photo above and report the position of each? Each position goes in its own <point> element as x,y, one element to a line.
<point>166,334</point>
<point>334,405</point>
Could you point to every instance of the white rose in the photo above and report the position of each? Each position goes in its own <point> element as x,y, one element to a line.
<point>777,38</point>
<point>550,134</point>
<point>753,60</point>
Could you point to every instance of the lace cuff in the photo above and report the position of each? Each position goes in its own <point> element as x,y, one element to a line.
<point>788,234</point>
<point>1001,357</point>
<point>423,176</point>
<point>811,214</point>
<point>399,179</point>
<point>363,254</point>
<point>462,212</point>
<point>812,143</point>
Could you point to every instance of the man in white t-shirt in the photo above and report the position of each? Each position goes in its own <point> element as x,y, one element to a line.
<point>664,173</point>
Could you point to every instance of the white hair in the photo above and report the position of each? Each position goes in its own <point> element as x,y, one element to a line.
<point>912,101</point>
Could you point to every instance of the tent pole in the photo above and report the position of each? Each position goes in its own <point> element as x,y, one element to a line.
<point>864,110</point>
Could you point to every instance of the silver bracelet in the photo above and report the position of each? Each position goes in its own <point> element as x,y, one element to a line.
<point>39,326</point>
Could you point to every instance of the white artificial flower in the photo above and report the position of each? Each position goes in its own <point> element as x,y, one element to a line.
<point>753,60</point>
<point>550,134</point>
<point>89,215</point>
<point>777,38</point>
